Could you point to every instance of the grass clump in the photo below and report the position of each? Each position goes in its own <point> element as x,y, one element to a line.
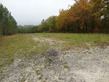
<point>50,59</point>
<point>40,77</point>
<point>65,66</point>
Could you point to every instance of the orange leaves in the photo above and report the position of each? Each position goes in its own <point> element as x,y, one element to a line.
<point>62,19</point>
<point>83,15</point>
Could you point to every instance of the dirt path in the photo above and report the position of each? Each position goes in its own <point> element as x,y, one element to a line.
<point>81,65</point>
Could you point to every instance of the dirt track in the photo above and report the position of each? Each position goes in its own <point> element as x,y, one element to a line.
<point>78,65</point>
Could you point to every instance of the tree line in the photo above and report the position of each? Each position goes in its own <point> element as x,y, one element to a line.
<point>27,29</point>
<point>85,16</point>
<point>8,25</point>
<point>48,25</point>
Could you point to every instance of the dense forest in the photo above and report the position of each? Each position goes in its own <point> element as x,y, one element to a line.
<point>8,25</point>
<point>27,29</point>
<point>85,16</point>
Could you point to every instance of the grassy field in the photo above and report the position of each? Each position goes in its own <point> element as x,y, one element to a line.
<point>21,45</point>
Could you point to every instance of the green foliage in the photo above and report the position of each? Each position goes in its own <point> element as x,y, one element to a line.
<point>65,66</point>
<point>50,59</point>
<point>0,32</point>
<point>27,29</point>
<point>8,25</point>
<point>85,16</point>
<point>43,27</point>
<point>51,22</point>
<point>48,25</point>
<point>105,14</point>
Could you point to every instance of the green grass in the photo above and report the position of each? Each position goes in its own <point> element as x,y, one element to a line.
<point>50,59</point>
<point>79,40</point>
<point>22,45</point>
<point>65,66</point>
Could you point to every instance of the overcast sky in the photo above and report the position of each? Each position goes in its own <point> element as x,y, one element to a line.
<point>31,12</point>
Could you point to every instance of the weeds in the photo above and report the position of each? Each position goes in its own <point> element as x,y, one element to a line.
<point>22,45</point>
<point>40,77</point>
<point>65,66</point>
<point>50,59</point>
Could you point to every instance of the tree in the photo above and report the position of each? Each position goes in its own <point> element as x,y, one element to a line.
<point>8,25</point>
<point>105,15</point>
<point>84,16</point>
<point>43,27</point>
<point>51,23</point>
<point>96,8</point>
<point>62,21</point>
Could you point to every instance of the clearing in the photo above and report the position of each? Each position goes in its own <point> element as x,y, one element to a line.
<point>51,57</point>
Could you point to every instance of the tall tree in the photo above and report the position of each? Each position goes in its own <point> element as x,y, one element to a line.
<point>105,15</point>
<point>96,7</point>
<point>8,25</point>
<point>51,23</point>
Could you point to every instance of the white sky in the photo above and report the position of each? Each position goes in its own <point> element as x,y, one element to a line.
<point>31,12</point>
